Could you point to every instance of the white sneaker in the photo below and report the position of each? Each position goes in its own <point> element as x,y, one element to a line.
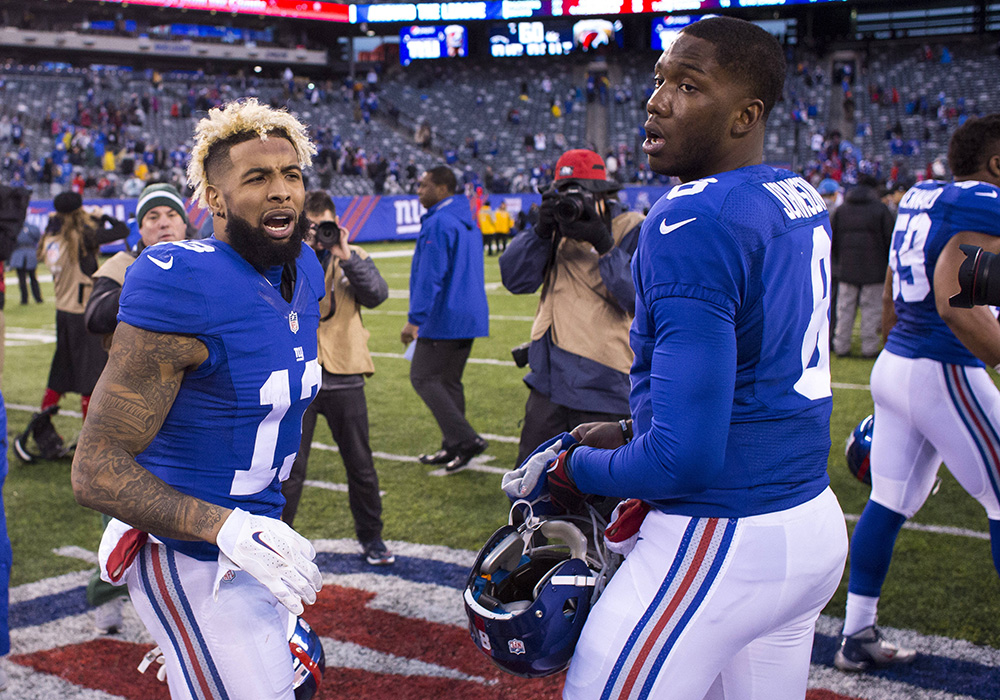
<point>108,617</point>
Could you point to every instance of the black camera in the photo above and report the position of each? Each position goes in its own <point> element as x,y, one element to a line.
<point>328,234</point>
<point>571,204</point>
<point>978,278</point>
<point>520,354</point>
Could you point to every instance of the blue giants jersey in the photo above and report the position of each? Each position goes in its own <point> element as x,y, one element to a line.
<point>930,214</point>
<point>732,284</point>
<point>234,428</point>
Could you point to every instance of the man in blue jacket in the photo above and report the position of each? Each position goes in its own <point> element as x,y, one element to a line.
<point>448,311</point>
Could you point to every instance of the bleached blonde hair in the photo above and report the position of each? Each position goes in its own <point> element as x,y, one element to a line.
<point>233,119</point>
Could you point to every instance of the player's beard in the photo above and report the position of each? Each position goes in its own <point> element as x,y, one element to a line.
<point>260,250</point>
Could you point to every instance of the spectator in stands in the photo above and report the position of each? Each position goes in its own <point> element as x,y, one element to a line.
<point>829,190</point>
<point>69,249</point>
<point>862,234</point>
<point>24,259</point>
<point>352,281</point>
<point>448,310</point>
<point>582,263</point>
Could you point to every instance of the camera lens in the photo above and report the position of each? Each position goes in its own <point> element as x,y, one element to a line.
<point>569,209</point>
<point>328,234</point>
<point>979,279</point>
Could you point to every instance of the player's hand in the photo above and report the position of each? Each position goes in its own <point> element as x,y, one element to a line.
<point>563,493</point>
<point>274,554</point>
<point>342,249</point>
<point>547,215</point>
<point>592,229</point>
<point>605,436</point>
<point>527,481</point>
<point>408,334</point>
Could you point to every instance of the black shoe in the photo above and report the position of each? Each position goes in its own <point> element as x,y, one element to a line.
<point>464,454</point>
<point>442,456</point>
<point>377,554</point>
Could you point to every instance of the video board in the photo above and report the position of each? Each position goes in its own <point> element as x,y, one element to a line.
<point>329,11</point>
<point>435,41</point>
<point>552,37</point>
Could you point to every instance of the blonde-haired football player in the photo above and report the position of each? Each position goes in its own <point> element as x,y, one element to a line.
<point>197,417</point>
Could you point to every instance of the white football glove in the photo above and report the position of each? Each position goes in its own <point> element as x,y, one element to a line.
<point>522,482</point>
<point>154,656</point>
<point>274,554</point>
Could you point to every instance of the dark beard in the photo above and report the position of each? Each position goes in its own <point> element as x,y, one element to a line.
<point>260,250</point>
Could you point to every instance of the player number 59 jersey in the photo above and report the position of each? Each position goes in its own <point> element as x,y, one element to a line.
<point>930,214</point>
<point>234,428</point>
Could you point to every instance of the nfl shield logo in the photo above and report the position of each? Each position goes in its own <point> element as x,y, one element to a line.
<point>515,646</point>
<point>293,322</point>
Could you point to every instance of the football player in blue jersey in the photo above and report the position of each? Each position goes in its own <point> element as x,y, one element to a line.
<point>744,542</point>
<point>197,417</point>
<point>934,400</point>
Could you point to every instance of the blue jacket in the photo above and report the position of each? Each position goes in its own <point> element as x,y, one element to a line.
<point>447,284</point>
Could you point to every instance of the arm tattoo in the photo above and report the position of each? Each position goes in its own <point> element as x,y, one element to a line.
<point>127,409</point>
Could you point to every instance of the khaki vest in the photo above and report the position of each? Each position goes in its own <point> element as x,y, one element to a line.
<point>343,338</point>
<point>72,287</point>
<point>115,266</point>
<point>584,316</point>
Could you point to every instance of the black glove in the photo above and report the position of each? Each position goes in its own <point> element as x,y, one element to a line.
<point>591,228</point>
<point>547,215</point>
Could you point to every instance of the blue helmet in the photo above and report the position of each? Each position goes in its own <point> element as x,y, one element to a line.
<point>308,658</point>
<point>527,603</point>
<point>858,450</point>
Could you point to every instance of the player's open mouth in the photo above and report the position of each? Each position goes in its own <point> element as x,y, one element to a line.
<point>279,223</point>
<point>654,141</point>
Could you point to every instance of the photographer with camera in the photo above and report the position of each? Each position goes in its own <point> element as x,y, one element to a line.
<point>934,400</point>
<point>580,253</point>
<point>352,282</point>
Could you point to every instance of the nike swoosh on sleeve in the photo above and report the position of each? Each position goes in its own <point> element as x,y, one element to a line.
<point>161,264</point>
<point>990,194</point>
<point>665,229</point>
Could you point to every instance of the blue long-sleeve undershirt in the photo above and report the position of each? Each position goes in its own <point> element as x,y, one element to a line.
<point>682,405</point>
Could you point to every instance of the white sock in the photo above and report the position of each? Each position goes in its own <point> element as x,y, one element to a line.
<point>860,613</point>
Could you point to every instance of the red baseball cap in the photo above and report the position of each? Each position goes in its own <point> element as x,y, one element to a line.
<point>585,166</point>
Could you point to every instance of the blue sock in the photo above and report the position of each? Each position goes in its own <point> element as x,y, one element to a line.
<point>871,548</point>
<point>995,543</point>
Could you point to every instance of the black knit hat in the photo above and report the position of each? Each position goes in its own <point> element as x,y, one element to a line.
<point>66,202</point>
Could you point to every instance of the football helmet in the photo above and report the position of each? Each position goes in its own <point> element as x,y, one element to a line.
<point>858,450</point>
<point>308,658</point>
<point>49,443</point>
<point>532,587</point>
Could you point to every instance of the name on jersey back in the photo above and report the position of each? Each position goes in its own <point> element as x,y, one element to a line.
<point>920,199</point>
<point>797,197</point>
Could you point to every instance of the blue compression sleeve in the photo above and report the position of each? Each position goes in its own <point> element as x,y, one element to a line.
<point>871,548</point>
<point>690,386</point>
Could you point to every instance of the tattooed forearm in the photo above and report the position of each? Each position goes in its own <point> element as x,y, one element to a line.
<point>128,407</point>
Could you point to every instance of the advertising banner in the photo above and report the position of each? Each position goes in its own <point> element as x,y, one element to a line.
<point>369,218</point>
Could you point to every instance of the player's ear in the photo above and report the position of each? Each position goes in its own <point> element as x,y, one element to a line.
<point>993,165</point>
<point>751,114</point>
<point>216,203</point>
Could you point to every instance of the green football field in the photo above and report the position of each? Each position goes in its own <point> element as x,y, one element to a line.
<point>942,580</point>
